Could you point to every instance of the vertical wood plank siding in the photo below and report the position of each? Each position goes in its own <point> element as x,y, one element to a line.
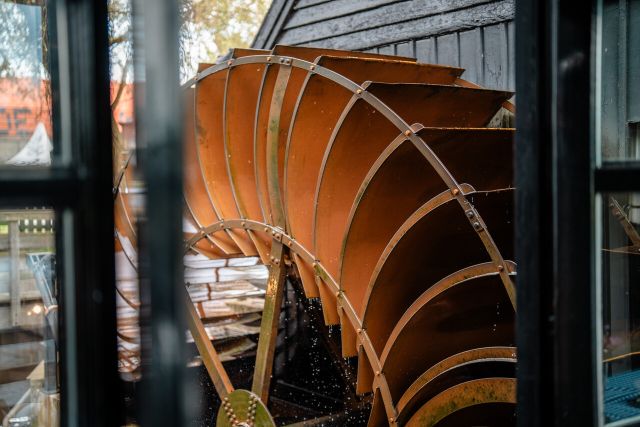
<point>477,35</point>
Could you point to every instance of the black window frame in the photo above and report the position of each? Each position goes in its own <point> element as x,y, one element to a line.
<point>558,178</point>
<point>80,191</point>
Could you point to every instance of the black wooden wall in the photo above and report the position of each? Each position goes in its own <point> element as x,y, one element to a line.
<point>477,35</point>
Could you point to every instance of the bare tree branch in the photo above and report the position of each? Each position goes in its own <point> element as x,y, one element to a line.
<point>122,85</point>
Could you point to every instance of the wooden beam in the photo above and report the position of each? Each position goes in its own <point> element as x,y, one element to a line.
<point>207,352</point>
<point>270,322</point>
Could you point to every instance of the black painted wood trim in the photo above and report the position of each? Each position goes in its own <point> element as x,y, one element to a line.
<point>358,38</point>
<point>556,322</point>
<point>272,24</point>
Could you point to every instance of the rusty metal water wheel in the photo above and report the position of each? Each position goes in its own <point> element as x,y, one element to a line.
<point>377,181</point>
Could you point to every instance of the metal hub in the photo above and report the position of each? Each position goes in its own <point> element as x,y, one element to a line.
<point>241,408</point>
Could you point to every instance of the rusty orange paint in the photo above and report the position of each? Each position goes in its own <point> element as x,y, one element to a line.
<point>392,198</point>
<point>260,140</point>
<point>198,206</point>
<point>210,143</point>
<point>408,264</point>
<point>242,87</point>
<point>364,383</point>
<point>329,305</point>
<point>475,395</point>
<point>307,276</point>
<point>318,110</point>
<point>362,69</point>
<point>475,156</point>
<point>348,336</point>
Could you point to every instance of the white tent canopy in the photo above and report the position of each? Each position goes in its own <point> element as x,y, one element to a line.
<point>37,152</point>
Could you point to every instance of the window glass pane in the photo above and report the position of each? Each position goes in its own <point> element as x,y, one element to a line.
<point>29,393</point>
<point>620,234</point>
<point>25,86</point>
<point>620,85</point>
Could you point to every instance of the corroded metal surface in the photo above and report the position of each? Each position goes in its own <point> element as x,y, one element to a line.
<point>449,370</point>
<point>243,409</point>
<point>471,394</point>
<point>377,181</point>
<point>388,224</point>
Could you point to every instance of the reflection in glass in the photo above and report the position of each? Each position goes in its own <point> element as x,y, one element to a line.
<point>621,305</point>
<point>29,393</point>
<point>25,90</point>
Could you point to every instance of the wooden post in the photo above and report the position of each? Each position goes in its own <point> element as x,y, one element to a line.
<point>269,324</point>
<point>14,271</point>
<point>208,353</point>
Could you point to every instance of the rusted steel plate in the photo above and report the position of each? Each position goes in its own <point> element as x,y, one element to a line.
<point>209,103</point>
<point>410,264</point>
<point>318,109</point>
<point>198,205</point>
<point>489,400</point>
<point>440,105</point>
<point>307,276</point>
<point>261,128</point>
<point>241,95</point>
<point>273,118</point>
<point>364,382</point>
<point>389,224</point>
<point>360,123</point>
<point>194,187</point>
<point>465,277</point>
<point>470,314</point>
<point>359,141</point>
<point>469,155</point>
<point>348,335</point>
<point>265,112</point>
<point>378,416</point>
<point>507,105</point>
<point>210,142</point>
<point>455,369</point>
<point>370,244</point>
<point>360,70</point>
<point>329,303</point>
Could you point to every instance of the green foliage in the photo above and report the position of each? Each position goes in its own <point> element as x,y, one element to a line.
<point>210,28</point>
<point>213,27</point>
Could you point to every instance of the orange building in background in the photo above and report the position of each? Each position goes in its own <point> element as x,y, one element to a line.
<point>25,102</point>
